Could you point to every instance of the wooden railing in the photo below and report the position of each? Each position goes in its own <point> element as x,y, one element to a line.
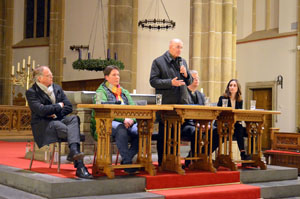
<point>15,122</point>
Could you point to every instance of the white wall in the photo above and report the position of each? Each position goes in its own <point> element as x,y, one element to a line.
<point>265,60</point>
<point>79,19</point>
<point>287,15</point>
<point>152,44</point>
<point>244,13</point>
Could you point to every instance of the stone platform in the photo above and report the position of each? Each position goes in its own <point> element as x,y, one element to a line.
<point>275,182</point>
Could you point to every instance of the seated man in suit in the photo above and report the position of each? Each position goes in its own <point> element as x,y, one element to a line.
<point>49,121</point>
<point>188,127</point>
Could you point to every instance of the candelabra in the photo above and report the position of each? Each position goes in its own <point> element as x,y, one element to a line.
<point>23,76</point>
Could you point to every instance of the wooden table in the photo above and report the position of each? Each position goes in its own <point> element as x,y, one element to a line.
<point>104,115</point>
<point>254,120</point>
<point>202,116</point>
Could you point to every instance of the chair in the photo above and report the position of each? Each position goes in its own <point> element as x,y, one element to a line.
<point>82,139</point>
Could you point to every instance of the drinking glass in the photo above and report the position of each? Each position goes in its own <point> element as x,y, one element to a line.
<point>158,99</point>
<point>207,101</point>
<point>252,104</point>
<point>224,102</point>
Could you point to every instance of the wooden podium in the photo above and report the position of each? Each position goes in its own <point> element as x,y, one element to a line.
<point>203,117</point>
<point>254,120</point>
<point>104,115</point>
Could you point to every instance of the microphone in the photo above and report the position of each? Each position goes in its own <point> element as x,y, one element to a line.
<point>180,64</point>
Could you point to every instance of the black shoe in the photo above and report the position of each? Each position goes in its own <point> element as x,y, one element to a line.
<point>76,155</point>
<point>187,163</point>
<point>246,157</point>
<point>131,171</point>
<point>83,173</point>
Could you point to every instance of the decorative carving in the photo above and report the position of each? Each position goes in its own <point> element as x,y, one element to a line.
<point>15,121</point>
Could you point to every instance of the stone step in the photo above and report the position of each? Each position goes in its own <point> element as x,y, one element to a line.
<point>9,192</point>
<point>273,173</point>
<point>55,187</point>
<point>279,189</point>
<point>140,195</point>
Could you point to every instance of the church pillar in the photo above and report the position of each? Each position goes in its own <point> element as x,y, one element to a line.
<point>122,38</point>
<point>6,40</point>
<point>56,39</point>
<point>213,44</point>
<point>298,73</point>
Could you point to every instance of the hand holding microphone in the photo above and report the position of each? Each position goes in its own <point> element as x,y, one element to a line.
<point>182,68</point>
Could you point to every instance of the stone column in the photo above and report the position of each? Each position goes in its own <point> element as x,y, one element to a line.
<point>56,39</point>
<point>213,44</point>
<point>6,41</point>
<point>298,73</point>
<point>122,37</point>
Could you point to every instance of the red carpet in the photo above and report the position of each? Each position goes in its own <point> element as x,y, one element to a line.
<point>12,154</point>
<point>191,178</point>
<point>239,191</point>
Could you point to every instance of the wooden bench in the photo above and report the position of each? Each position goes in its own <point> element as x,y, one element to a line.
<point>285,149</point>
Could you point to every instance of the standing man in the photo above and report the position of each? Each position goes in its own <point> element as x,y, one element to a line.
<point>49,121</point>
<point>170,77</point>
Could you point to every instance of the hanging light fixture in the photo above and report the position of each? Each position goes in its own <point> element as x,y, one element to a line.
<point>156,22</point>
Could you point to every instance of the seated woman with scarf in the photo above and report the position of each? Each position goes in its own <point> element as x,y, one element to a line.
<point>122,129</point>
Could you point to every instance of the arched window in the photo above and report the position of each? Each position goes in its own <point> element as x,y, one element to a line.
<point>37,18</point>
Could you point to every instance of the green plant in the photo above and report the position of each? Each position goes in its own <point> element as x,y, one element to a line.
<point>96,64</point>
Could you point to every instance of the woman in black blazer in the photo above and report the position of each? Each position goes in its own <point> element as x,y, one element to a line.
<point>234,95</point>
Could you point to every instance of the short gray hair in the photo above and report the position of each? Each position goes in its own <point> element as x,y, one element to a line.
<point>37,72</point>
<point>193,72</point>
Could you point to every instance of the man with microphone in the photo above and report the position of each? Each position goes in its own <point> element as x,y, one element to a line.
<point>170,77</point>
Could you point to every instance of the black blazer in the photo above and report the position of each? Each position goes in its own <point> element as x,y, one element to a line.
<point>41,108</point>
<point>200,98</point>
<point>238,105</point>
<point>163,70</point>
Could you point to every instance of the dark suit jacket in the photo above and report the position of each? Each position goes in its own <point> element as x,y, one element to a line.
<point>200,100</point>
<point>163,70</point>
<point>41,108</point>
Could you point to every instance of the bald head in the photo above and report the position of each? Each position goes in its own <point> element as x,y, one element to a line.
<point>175,47</point>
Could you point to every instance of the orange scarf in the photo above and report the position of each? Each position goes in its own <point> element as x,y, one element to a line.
<point>116,90</point>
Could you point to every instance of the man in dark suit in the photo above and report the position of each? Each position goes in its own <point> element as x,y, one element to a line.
<point>49,121</point>
<point>170,76</point>
<point>188,127</point>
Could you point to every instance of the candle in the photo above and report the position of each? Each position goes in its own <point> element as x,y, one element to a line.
<point>33,64</point>
<point>29,60</point>
<point>116,56</point>
<point>18,67</point>
<point>108,54</point>
<point>201,90</point>
<point>23,64</point>
<point>28,71</point>
<point>13,70</point>
<point>79,53</point>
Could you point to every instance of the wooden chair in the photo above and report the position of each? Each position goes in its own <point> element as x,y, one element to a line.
<point>82,139</point>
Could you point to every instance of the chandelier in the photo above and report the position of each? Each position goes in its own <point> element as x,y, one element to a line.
<point>156,22</point>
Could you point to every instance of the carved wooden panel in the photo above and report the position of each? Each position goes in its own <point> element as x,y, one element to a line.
<point>15,121</point>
